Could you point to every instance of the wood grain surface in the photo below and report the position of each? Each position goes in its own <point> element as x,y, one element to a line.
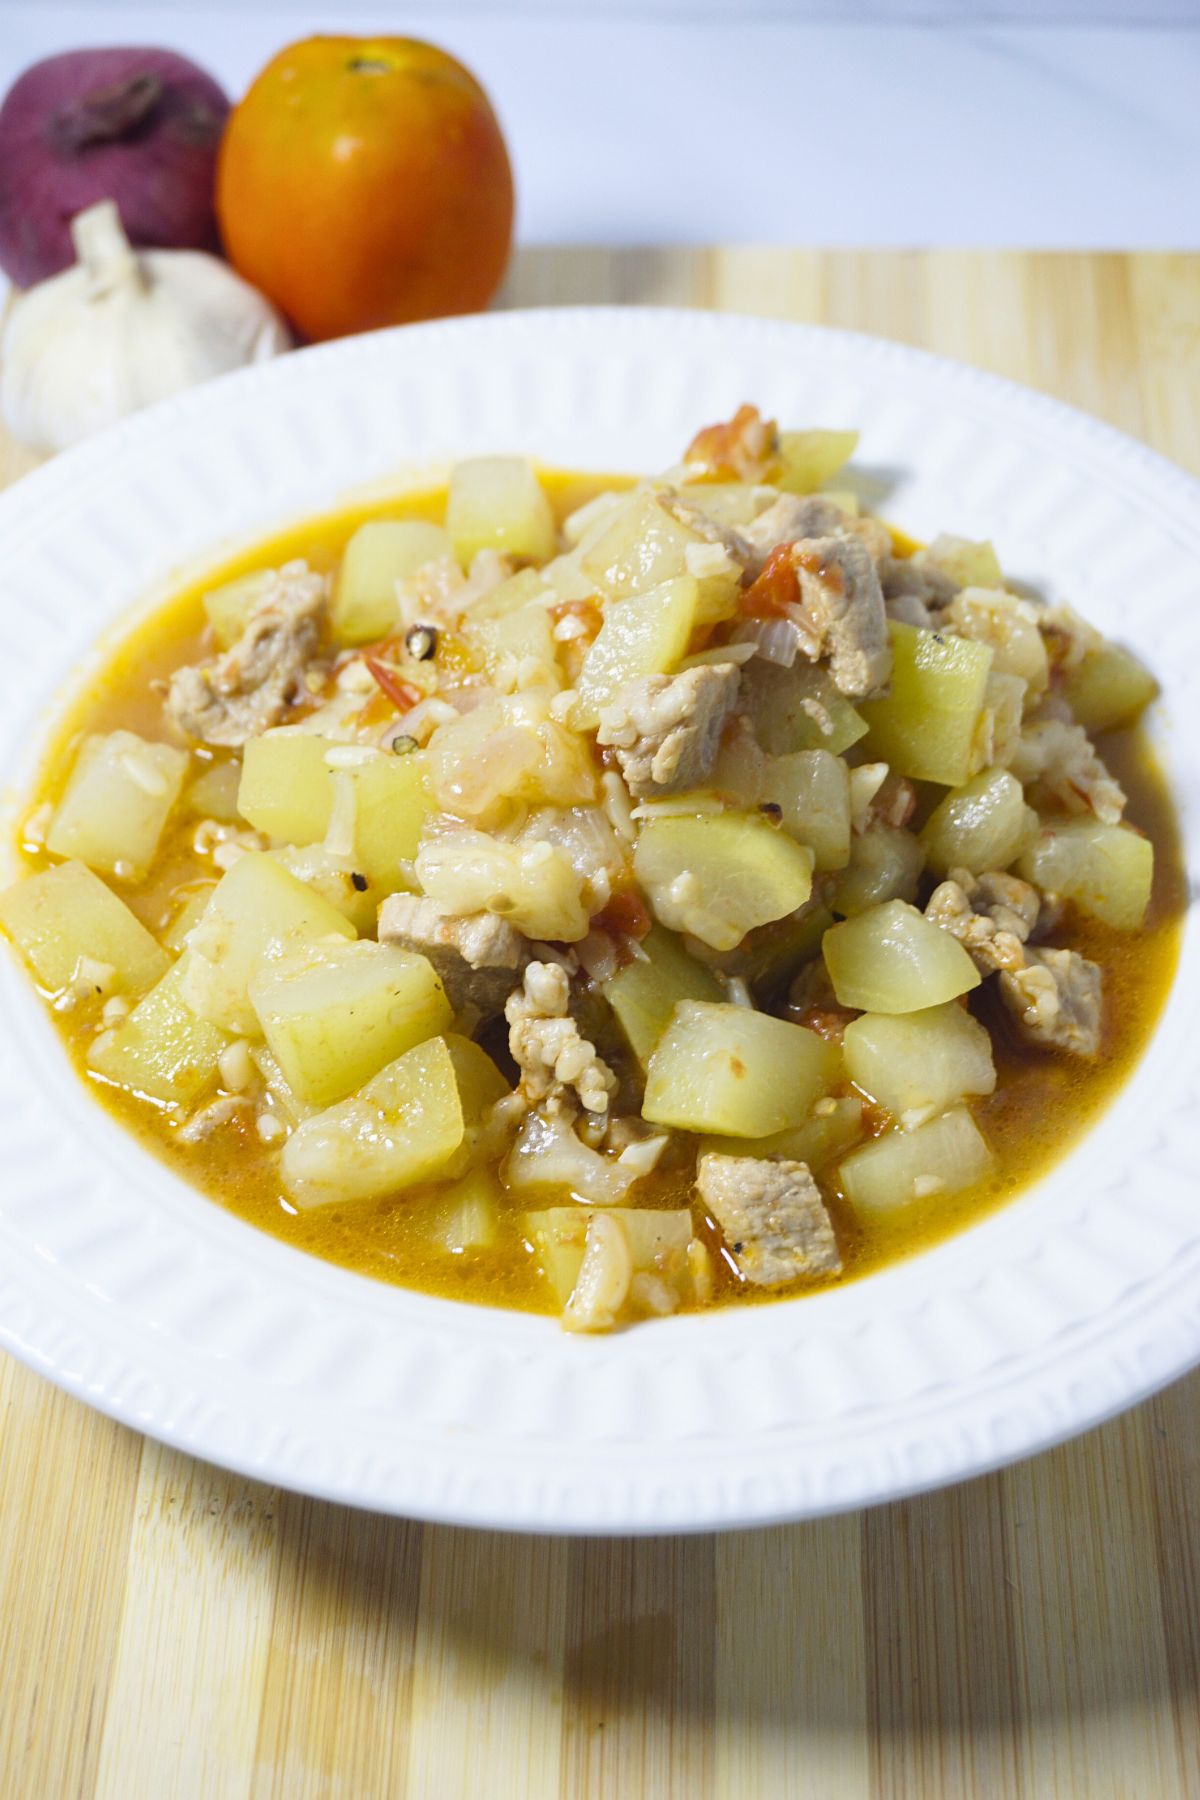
<point>169,1630</point>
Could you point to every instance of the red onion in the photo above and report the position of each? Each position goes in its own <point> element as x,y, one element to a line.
<point>137,126</point>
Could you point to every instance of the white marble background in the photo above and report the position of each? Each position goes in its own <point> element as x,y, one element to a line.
<point>1042,123</point>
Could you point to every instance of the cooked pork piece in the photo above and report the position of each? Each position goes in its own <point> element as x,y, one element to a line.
<point>771,1215</point>
<point>842,612</point>
<point>547,1046</point>
<point>907,577</point>
<point>786,520</point>
<point>992,916</point>
<point>666,729</point>
<point>478,957</point>
<point>1061,759</point>
<point>1056,1000</point>
<point>239,695</point>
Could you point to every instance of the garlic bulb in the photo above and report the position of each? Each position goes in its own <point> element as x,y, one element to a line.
<point>121,329</point>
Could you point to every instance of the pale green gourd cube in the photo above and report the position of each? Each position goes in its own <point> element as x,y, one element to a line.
<point>522,637</point>
<point>829,1131</point>
<point>657,1239</point>
<point>335,1014</point>
<point>381,803</point>
<point>337,880</point>
<point>480,1083</point>
<point>286,788</point>
<point>641,546</point>
<point>813,789</point>
<point>811,458</point>
<point>466,1215</point>
<point>161,1050</point>
<point>979,826</point>
<point>582,526</point>
<point>229,608</point>
<point>1107,870</point>
<point>920,1062</point>
<point>891,959</point>
<point>727,1069</point>
<point>969,563</point>
<point>925,727</point>
<point>525,588</point>
<point>377,556</point>
<point>257,915</point>
<point>190,913</point>
<point>497,503</point>
<point>798,709</point>
<point>885,864</point>
<point>63,915</point>
<point>116,803</point>
<point>904,1167</point>
<point>717,877</point>
<point>643,994</point>
<point>214,793</point>
<point>1109,688</point>
<point>728,502</point>
<point>645,635</point>
<point>403,1128</point>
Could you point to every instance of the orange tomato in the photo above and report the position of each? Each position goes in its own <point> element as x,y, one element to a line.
<point>365,182</point>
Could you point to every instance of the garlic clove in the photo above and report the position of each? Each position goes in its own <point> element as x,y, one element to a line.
<point>122,329</point>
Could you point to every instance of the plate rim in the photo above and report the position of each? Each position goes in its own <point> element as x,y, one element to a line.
<point>718,1510</point>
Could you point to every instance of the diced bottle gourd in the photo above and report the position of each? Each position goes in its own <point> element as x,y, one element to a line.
<point>377,556</point>
<point>979,826</point>
<point>903,1167</point>
<point>286,789</point>
<point>380,804</point>
<point>919,1062</point>
<point>1107,870</point>
<point>335,1014</point>
<point>214,793</point>
<point>647,634</point>
<point>161,1050</point>
<point>969,563</point>
<point>116,803</point>
<point>728,1070</point>
<point>466,1215</point>
<point>1109,688</point>
<point>808,459</point>
<point>640,547</point>
<point>229,608</point>
<point>257,915</point>
<point>925,727</point>
<point>830,1130</point>
<point>643,994</point>
<point>401,1129</point>
<point>336,880</point>
<point>891,959</point>
<point>497,503</point>
<point>657,1240</point>
<point>66,914</point>
<point>718,876</point>
<point>798,709</point>
<point>813,789</point>
<point>523,637</point>
<point>175,937</point>
<point>885,864</point>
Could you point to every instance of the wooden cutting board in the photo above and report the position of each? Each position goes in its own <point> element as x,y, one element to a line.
<point>170,1631</point>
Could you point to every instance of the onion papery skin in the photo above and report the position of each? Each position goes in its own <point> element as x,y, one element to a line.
<point>136,125</point>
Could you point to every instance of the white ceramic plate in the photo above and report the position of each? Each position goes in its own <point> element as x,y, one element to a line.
<point>147,1300</point>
